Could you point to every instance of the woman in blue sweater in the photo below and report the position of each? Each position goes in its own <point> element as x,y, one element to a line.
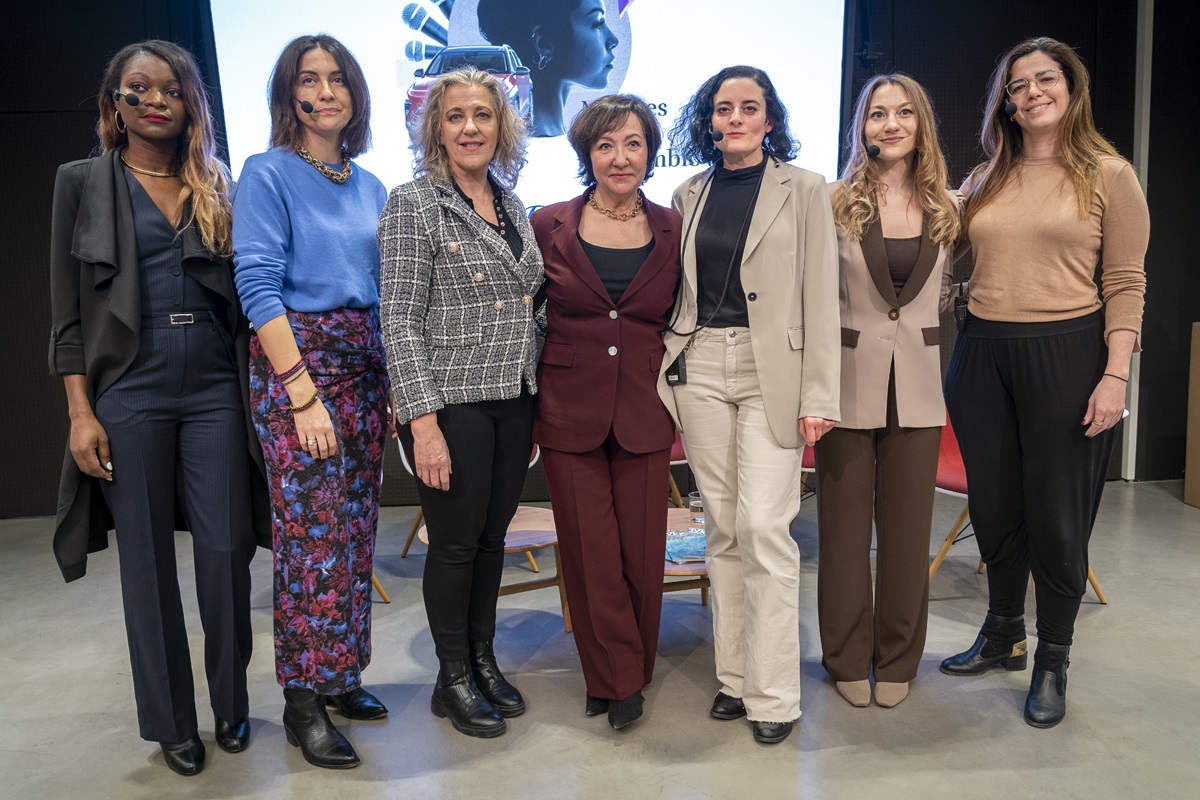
<point>307,270</point>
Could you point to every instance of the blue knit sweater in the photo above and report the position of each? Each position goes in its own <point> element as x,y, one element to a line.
<point>302,241</point>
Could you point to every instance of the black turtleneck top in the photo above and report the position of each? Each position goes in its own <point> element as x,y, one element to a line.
<point>720,240</point>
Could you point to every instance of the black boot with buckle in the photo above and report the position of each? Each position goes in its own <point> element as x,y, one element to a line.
<point>457,697</point>
<point>1001,643</point>
<point>1046,704</point>
<point>503,696</point>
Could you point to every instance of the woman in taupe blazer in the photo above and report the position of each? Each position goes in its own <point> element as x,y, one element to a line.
<point>897,225</point>
<point>755,330</point>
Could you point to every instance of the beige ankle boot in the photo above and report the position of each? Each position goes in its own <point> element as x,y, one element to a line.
<point>857,693</point>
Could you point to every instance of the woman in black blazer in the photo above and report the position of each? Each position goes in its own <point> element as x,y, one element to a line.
<point>151,344</point>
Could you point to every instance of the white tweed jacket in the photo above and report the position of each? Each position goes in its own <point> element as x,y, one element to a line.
<point>455,306</point>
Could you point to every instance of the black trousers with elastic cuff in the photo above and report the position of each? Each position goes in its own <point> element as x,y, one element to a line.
<point>1017,394</point>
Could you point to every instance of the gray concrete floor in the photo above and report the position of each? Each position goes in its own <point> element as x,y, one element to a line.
<point>1132,730</point>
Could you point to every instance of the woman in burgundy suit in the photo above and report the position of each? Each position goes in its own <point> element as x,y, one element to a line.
<point>612,262</point>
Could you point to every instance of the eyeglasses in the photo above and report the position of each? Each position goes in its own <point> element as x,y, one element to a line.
<point>1046,79</point>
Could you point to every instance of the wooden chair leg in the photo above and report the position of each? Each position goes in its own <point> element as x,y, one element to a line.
<point>959,524</point>
<point>562,591</point>
<point>979,570</point>
<point>532,564</point>
<point>379,588</point>
<point>413,533</point>
<point>1096,587</point>
<point>676,497</point>
<point>704,596</point>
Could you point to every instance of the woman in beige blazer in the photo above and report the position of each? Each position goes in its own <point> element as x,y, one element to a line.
<point>897,225</point>
<point>750,375</point>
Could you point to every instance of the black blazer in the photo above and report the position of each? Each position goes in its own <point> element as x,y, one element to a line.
<point>95,302</point>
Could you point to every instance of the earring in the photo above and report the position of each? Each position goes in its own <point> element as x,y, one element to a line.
<point>543,61</point>
<point>120,122</point>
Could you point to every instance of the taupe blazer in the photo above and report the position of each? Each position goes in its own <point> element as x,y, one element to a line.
<point>880,329</point>
<point>789,276</point>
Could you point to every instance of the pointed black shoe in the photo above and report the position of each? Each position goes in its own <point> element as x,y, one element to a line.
<point>503,696</point>
<point>186,758</point>
<point>725,707</point>
<point>1046,704</point>
<point>357,704</point>
<point>623,713</point>
<point>1000,643</point>
<point>455,696</point>
<point>771,732</point>
<point>233,738</point>
<point>307,726</point>
<point>595,706</point>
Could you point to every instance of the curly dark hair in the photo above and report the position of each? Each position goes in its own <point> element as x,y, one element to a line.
<point>691,135</point>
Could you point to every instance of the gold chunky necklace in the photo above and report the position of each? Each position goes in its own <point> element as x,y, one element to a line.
<point>336,177</point>
<point>608,212</point>
<point>149,172</point>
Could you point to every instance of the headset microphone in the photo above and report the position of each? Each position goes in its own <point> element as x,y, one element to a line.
<point>872,151</point>
<point>130,98</point>
<point>716,136</point>
<point>305,106</point>
<point>1010,108</point>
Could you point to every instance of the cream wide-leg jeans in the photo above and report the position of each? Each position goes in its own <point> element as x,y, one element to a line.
<point>751,491</point>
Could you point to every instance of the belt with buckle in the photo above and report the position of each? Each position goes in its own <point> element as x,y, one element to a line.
<point>169,321</point>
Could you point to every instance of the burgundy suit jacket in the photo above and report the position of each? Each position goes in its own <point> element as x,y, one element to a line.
<point>598,370</point>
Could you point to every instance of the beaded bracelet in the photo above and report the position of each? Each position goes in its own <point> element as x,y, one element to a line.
<point>295,376</point>
<point>309,403</point>
<point>296,368</point>
<point>1118,377</point>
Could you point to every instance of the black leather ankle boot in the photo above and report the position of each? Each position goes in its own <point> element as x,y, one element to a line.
<point>1046,704</point>
<point>503,696</point>
<point>457,697</point>
<point>307,726</point>
<point>1000,643</point>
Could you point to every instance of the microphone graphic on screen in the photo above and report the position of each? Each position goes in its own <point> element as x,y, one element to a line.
<point>305,106</point>
<point>716,136</point>
<point>130,98</point>
<point>872,151</point>
<point>445,5</point>
<point>418,19</point>
<point>419,51</point>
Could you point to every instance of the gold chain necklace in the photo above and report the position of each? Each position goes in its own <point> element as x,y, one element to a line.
<point>608,212</point>
<point>149,172</point>
<point>336,177</point>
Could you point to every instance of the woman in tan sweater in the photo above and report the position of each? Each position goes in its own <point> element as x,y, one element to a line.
<point>1036,385</point>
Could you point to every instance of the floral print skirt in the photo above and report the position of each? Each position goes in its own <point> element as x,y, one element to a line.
<point>324,512</point>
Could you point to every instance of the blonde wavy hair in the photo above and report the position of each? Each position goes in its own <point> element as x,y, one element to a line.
<point>205,177</point>
<point>1080,145</point>
<point>431,157</point>
<point>856,202</point>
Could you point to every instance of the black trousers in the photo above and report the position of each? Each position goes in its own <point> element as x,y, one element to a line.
<point>177,429</point>
<point>489,443</point>
<point>1017,394</point>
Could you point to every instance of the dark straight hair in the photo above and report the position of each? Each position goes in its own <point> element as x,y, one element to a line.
<point>286,130</point>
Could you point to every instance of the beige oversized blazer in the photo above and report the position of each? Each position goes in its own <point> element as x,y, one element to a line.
<point>879,328</point>
<point>789,275</point>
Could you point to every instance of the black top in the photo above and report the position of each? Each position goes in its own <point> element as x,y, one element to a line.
<point>616,266</point>
<point>720,241</point>
<point>902,258</point>
<point>166,288</point>
<point>503,225</point>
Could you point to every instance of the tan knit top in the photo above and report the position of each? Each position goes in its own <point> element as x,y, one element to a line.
<point>1035,258</point>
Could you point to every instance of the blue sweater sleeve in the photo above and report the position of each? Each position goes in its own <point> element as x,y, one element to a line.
<point>262,241</point>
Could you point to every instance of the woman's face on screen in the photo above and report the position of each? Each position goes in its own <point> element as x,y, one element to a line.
<point>586,58</point>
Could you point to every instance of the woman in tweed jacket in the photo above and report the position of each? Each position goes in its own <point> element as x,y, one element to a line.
<point>460,268</point>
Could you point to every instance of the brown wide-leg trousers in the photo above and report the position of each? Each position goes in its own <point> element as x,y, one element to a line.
<point>891,470</point>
